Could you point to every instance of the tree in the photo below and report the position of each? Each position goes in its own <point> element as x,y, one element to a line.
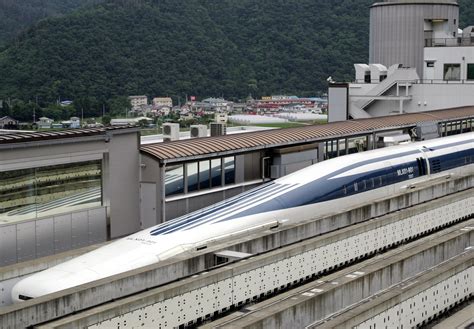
<point>143,123</point>
<point>98,55</point>
<point>118,106</point>
<point>106,119</point>
<point>24,111</point>
<point>53,111</point>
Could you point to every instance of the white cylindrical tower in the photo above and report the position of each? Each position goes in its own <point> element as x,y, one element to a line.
<point>399,29</point>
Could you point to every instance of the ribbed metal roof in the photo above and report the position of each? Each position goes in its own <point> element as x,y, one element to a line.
<point>23,137</point>
<point>194,148</point>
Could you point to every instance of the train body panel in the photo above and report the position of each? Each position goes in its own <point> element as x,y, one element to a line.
<point>317,191</point>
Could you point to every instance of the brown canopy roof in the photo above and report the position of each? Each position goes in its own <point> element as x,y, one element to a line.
<point>23,137</point>
<point>192,148</point>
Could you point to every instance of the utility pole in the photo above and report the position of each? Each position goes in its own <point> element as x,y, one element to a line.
<point>34,109</point>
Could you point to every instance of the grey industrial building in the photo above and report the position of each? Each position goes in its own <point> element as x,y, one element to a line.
<point>420,60</point>
<point>65,190</point>
<point>399,28</point>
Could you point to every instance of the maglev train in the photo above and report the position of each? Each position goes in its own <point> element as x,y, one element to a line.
<point>317,191</point>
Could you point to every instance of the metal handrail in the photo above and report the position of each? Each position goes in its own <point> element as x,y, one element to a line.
<point>450,42</point>
<point>423,81</point>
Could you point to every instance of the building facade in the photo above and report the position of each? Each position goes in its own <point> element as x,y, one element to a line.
<point>138,101</point>
<point>399,28</point>
<point>182,176</point>
<point>163,101</point>
<point>61,191</point>
<point>8,122</point>
<point>433,63</point>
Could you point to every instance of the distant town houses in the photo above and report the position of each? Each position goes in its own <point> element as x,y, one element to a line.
<point>221,117</point>
<point>47,123</point>
<point>44,123</point>
<point>8,122</point>
<point>279,103</point>
<point>159,102</point>
<point>130,121</point>
<point>212,105</point>
<point>73,122</point>
<point>138,101</point>
<point>220,108</point>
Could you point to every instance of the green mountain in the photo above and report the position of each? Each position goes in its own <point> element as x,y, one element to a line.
<point>229,48</point>
<point>17,15</point>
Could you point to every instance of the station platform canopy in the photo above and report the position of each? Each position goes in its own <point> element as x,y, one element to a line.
<point>185,150</point>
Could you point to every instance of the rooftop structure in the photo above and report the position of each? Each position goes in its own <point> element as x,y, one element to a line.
<point>398,29</point>
<point>230,144</point>
<point>413,66</point>
<point>181,176</point>
<point>66,189</point>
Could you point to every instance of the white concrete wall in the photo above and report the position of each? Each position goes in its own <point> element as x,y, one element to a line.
<point>123,187</point>
<point>448,55</point>
<point>428,97</point>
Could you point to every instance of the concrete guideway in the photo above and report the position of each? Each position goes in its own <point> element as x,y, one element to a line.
<point>415,301</point>
<point>339,295</point>
<point>255,243</point>
<point>349,223</point>
<point>204,295</point>
<point>460,320</point>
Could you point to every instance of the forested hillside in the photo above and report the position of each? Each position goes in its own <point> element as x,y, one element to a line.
<point>17,15</point>
<point>229,48</point>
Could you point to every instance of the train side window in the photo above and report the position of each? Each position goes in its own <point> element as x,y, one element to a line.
<point>379,181</point>
<point>356,187</point>
<point>370,183</point>
<point>344,190</point>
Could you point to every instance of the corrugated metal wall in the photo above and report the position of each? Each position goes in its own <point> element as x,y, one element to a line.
<point>43,237</point>
<point>397,31</point>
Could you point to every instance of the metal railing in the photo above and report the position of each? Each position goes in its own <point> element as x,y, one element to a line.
<point>422,81</point>
<point>450,42</point>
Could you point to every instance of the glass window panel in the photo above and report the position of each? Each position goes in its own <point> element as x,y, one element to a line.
<point>68,187</point>
<point>470,71</point>
<point>17,195</point>
<point>174,180</point>
<point>229,169</point>
<point>192,172</point>
<point>204,181</point>
<point>216,173</point>
<point>32,193</point>
<point>452,71</point>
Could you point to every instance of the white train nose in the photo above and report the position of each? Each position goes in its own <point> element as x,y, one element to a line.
<point>49,281</point>
<point>18,292</point>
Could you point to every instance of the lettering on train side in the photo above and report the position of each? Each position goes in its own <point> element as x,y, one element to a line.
<point>406,171</point>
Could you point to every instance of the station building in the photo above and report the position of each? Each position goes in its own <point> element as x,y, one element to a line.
<point>69,189</point>
<point>66,189</point>
<point>183,176</point>
<point>419,61</point>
